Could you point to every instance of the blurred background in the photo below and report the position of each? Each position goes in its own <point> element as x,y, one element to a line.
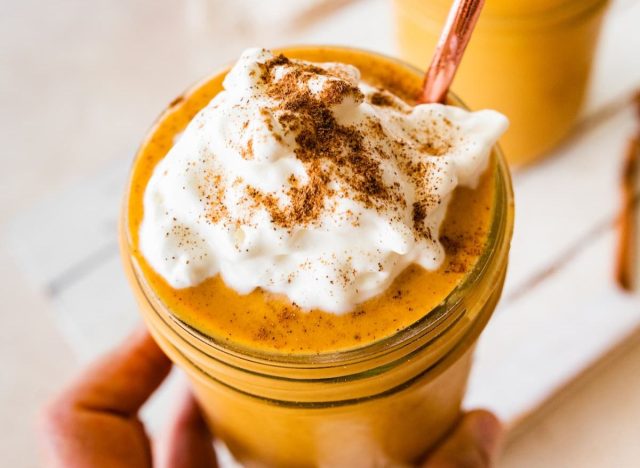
<point>80,83</point>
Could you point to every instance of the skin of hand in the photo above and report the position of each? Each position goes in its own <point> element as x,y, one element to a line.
<point>94,421</point>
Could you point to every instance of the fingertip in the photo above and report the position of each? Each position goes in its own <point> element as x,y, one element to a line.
<point>486,429</point>
<point>54,415</point>
<point>46,422</point>
<point>190,415</point>
<point>188,439</point>
<point>484,422</point>
<point>55,424</point>
<point>474,443</point>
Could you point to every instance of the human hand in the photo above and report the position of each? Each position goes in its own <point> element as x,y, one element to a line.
<point>474,443</point>
<point>94,422</point>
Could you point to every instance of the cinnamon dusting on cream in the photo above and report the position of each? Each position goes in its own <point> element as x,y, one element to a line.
<point>302,180</point>
<point>331,151</point>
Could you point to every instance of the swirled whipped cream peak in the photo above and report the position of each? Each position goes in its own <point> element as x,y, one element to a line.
<point>302,180</point>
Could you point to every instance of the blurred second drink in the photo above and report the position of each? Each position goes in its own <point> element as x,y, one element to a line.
<point>528,59</point>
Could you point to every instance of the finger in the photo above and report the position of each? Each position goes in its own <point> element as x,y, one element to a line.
<point>93,422</point>
<point>123,380</point>
<point>188,442</point>
<point>474,443</point>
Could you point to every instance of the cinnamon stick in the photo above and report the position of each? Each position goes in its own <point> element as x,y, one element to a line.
<point>627,223</point>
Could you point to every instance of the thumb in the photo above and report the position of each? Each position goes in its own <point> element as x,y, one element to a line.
<point>474,443</point>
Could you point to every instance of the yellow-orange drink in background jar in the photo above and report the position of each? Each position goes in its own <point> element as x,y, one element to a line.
<point>377,386</point>
<point>528,59</point>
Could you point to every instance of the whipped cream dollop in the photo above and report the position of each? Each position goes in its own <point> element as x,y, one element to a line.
<point>300,179</point>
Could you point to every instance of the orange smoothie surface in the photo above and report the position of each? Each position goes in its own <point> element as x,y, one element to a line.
<point>265,322</point>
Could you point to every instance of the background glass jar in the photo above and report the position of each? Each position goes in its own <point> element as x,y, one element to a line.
<point>528,59</point>
<point>384,403</point>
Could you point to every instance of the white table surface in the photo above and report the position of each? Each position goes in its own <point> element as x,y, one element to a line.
<point>78,86</point>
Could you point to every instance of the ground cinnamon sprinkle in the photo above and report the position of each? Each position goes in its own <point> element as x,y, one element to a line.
<point>331,151</point>
<point>247,152</point>
<point>381,99</point>
<point>327,149</point>
<point>262,334</point>
<point>339,160</point>
<point>307,202</point>
<point>212,194</point>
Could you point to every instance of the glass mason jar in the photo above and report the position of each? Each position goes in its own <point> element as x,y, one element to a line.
<point>528,59</point>
<point>384,403</point>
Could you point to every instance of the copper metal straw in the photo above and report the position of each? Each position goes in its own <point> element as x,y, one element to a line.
<point>454,38</point>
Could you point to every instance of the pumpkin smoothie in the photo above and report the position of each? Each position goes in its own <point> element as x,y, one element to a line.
<point>319,254</point>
